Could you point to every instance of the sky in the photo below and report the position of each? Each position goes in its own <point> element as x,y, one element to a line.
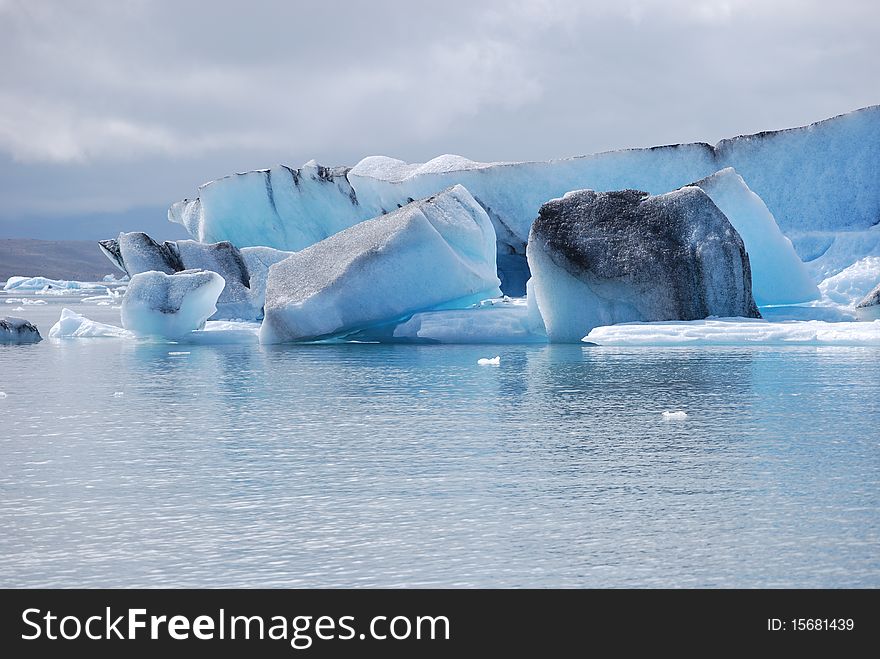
<point>110,111</point>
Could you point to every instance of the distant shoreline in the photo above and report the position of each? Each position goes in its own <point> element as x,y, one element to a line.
<point>80,260</point>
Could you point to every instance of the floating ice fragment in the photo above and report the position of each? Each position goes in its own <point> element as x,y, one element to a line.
<point>2,394</point>
<point>675,416</point>
<point>489,361</point>
<point>118,394</point>
<point>177,354</point>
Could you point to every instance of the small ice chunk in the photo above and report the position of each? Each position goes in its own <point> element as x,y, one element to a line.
<point>2,394</point>
<point>171,306</point>
<point>72,325</point>
<point>118,394</point>
<point>489,361</point>
<point>178,354</point>
<point>18,330</point>
<point>678,415</point>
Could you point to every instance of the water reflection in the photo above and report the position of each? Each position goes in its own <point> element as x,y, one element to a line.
<point>412,465</point>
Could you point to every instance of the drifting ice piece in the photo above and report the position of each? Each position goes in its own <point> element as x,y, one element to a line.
<point>737,331</point>
<point>778,274</point>
<point>869,307</point>
<point>43,284</point>
<point>170,306</point>
<point>72,325</point>
<point>599,258</point>
<point>245,273</point>
<point>18,330</point>
<point>437,252</point>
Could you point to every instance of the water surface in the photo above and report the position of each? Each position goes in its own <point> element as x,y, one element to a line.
<point>369,465</point>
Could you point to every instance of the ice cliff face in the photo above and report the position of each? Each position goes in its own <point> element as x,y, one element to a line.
<point>437,252</point>
<point>599,258</point>
<point>819,181</point>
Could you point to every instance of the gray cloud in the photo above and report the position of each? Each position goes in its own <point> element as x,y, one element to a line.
<point>107,106</point>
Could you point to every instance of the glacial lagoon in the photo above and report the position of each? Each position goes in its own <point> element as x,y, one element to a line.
<point>144,463</point>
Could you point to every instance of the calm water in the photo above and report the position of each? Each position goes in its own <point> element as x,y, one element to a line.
<point>366,465</point>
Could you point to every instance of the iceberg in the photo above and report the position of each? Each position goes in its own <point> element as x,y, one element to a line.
<point>136,252</point>
<point>818,182</point>
<point>72,325</point>
<point>778,274</point>
<point>245,271</point>
<point>170,306</point>
<point>599,258</point>
<point>433,253</point>
<point>18,330</point>
<point>44,284</point>
<point>736,332</point>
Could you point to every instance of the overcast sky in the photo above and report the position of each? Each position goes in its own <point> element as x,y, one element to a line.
<point>110,110</point>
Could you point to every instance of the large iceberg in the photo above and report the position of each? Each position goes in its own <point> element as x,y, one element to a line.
<point>18,330</point>
<point>599,258</point>
<point>778,274</point>
<point>737,331</point>
<point>818,181</point>
<point>170,306</point>
<point>433,253</point>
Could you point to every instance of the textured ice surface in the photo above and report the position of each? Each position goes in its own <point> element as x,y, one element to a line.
<point>72,325</point>
<point>872,299</point>
<point>42,283</point>
<point>818,181</point>
<point>778,274</point>
<point>435,252</point>
<point>611,257</point>
<point>737,331</point>
<point>136,252</point>
<point>498,321</point>
<point>849,286</point>
<point>18,330</point>
<point>170,306</point>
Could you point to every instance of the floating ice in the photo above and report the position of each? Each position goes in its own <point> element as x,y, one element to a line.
<point>675,416</point>
<point>778,274</point>
<point>737,331</point>
<point>434,253</point>
<point>170,306</point>
<point>610,257</point>
<point>178,353</point>
<point>72,325</point>
<point>18,330</point>
<point>25,301</point>
<point>118,394</point>
<point>244,271</point>
<point>489,361</point>
<point>2,395</point>
<point>44,284</point>
<point>818,181</point>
